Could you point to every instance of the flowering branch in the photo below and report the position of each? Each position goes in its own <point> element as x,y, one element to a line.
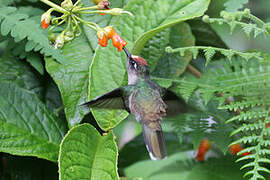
<point>71,15</point>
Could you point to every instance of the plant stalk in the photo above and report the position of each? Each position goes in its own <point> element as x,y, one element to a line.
<point>55,6</point>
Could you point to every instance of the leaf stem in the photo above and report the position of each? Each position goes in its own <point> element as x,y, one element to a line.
<point>86,8</point>
<point>76,3</point>
<point>255,19</point>
<point>55,6</point>
<point>92,25</point>
<point>194,71</point>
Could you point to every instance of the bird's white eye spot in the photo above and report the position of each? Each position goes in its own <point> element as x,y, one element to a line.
<point>135,65</point>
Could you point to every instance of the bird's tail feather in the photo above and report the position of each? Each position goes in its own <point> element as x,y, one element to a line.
<point>155,143</point>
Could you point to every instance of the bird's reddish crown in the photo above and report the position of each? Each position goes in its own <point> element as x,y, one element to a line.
<point>140,60</point>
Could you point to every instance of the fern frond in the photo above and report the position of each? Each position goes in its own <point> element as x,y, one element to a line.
<point>209,52</point>
<point>255,135</point>
<point>249,115</point>
<point>205,122</point>
<point>245,104</point>
<point>21,27</point>
<point>248,82</point>
<point>238,18</point>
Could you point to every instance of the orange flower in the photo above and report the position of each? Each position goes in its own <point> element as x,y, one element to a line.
<point>118,42</point>
<point>202,150</point>
<point>44,25</point>
<point>103,41</point>
<point>237,148</point>
<point>45,19</point>
<point>109,33</point>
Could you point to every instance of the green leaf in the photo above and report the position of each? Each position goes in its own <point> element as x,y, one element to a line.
<point>205,35</point>
<point>27,128</point>
<point>71,77</point>
<point>179,166</point>
<point>174,64</point>
<point>36,61</point>
<point>137,145</point>
<point>154,49</point>
<point>151,17</point>
<point>164,14</point>
<point>17,72</point>
<point>176,166</point>
<point>232,5</point>
<point>85,154</point>
<point>21,27</point>
<point>218,169</point>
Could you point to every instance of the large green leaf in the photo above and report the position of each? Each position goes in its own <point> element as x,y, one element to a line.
<point>108,65</point>
<point>71,77</point>
<point>155,48</point>
<point>176,166</point>
<point>205,35</point>
<point>106,119</point>
<point>218,169</point>
<point>179,166</point>
<point>85,154</point>
<point>26,126</point>
<point>15,71</point>
<point>173,65</point>
<point>165,14</point>
<point>137,145</point>
<point>233,6</point>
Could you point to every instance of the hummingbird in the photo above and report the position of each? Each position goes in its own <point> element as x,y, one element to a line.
<point>146,100</point>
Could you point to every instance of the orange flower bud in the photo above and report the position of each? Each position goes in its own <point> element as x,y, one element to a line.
<point>44,25</point>
<point>109,33</point>
<point>45,19</point>
<point>118,42</point>
<point>202,150</point>
<point>103,41</point>
<point>237,148</point>
<point>102,37</point>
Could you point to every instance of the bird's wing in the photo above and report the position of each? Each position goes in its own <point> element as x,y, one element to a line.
<point>111,100</point>
<point>175,104</point>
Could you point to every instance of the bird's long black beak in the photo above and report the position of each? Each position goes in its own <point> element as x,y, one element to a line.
<point>127,52</point>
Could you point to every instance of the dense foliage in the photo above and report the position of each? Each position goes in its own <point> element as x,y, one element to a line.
<point>46,134</point>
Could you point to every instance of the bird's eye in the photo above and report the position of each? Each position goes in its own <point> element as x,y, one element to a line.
<point>133,64</point>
